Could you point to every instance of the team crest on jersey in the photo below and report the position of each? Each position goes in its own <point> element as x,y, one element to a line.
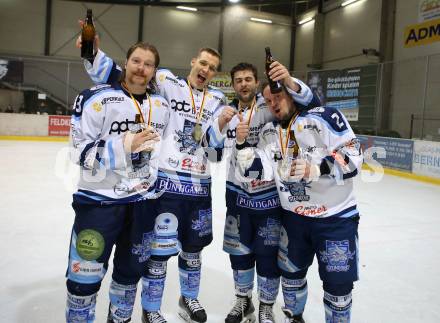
<point>185,138</point>
<point>143,249</point>
<point>162,77</point>
<point>271,232</point>
<point>204,223</point>
<point>336,255</point>
<point>297,190</point>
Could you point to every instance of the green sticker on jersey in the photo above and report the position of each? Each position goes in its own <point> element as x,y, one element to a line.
<point>90,244</point>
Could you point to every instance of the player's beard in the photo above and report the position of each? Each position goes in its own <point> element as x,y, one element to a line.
<point>284,122</point>
<point>136,80</point>
<point>246,100</point>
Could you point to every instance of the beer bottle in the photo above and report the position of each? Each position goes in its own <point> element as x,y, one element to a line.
<point>88,36</point>
<point>275,86</point>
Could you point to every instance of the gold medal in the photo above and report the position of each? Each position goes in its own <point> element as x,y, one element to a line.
<point>197,132</point>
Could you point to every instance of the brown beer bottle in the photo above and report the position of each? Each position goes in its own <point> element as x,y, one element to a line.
<point>88,36</point>
<point>275,87</point>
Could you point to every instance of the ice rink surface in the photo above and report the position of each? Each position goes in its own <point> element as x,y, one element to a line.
<point>399,248</point>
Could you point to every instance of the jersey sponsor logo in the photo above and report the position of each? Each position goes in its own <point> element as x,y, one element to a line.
<point>258,204</point>
<point>163,77</point>
<point>179,106</point>
<point>256,185</point>
<point>311,210</point>
<point>120,127</point>
<point>113,99</point>
<point>269,131</point>
<point>182,188</point>
<point>86,268</point>
<point>90,244</point>
<point>336,255</point>
<point>311,127</point>
<point>218,98</point>
<point>157,126</point>
<point>193,166</point>
<point>231,133</point>
<point>297,191</point>
<point>191,259</point>
<point>173,162</point>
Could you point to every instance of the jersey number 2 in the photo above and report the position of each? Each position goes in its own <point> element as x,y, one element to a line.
<point>335,116</point>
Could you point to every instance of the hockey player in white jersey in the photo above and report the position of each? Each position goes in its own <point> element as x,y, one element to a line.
<point>184,223</point>
<point>253,216</point>
<point>312,156</point>
<point>118,160</point>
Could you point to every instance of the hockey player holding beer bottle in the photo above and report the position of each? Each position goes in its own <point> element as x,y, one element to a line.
<point>115,129</point>
<point>313,156</point>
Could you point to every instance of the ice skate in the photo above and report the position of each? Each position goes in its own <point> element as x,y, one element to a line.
<point>290,318</point>
<point>152,317</point>
<point>191,311</point>
<point>242,312</point>
<point>265,313</point>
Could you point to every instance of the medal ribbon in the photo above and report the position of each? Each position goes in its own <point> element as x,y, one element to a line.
<point>241,110</point>
<point>194,109</point>
<point>137,105</point>
<point>282,143</point>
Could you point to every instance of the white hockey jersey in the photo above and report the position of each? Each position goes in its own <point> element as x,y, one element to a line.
<point>101,116</point>
<point>324,138</point>
<point>256,195</point>
<point>183,165</point>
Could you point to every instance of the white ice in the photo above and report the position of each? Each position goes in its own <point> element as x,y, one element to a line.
<point>399,249</point>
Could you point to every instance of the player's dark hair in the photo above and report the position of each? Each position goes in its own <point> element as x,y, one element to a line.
<point>244,67</point>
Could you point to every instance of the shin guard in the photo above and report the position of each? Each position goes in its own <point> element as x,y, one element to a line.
<point>80,308</point>
<point>189,273</point>
<point>295,294</point>
<point>153,284</point>
<point>268,289</point>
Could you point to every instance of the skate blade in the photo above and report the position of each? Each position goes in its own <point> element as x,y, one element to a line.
<point>185,316</point>
<point>250,318</point>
